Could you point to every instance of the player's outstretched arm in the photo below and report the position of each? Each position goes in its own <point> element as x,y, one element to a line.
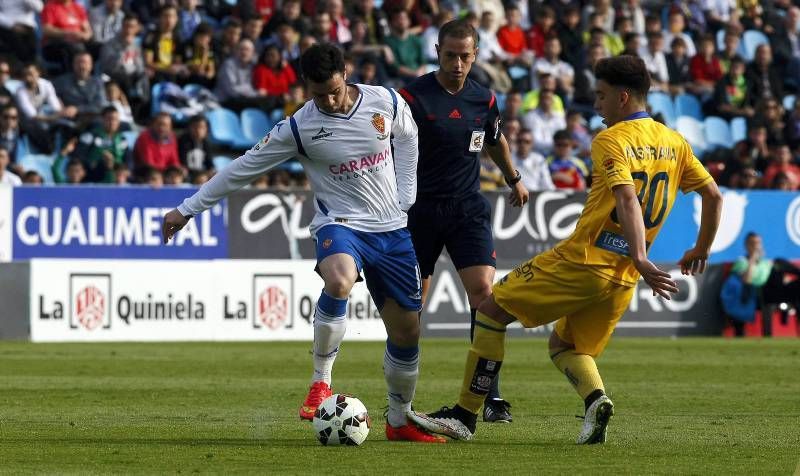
<point>694,260</point>
<point>278,146</point>
<point>406,154</point>
<point>629,213</point>
<point>501,155</point>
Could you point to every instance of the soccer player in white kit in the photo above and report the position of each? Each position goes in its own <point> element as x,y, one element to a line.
<point>362,192</point>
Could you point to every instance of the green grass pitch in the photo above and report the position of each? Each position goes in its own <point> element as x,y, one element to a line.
<point>688,406</point>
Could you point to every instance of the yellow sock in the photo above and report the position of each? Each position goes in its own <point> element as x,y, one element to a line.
<point>483,362</point>
<point>581,371</point>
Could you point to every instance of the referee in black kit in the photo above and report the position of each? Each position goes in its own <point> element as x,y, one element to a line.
<point>456,118</point>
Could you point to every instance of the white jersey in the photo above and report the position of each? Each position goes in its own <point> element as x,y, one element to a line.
<point>357,180</point>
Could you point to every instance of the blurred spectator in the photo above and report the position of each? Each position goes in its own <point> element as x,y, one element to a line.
<point>273,76</point>
<point>65,29</point>
<point>188,19</point>
<point>31,177</point>
<point>199,178</point>
<point>11,137</point>
<point>263,9</point>
<point>680,77</point>
<point>785,41</point>
<point>752,15</point>
<point>6,97</point>
<point>42,112</point>
<point>104,147</point>
<point>340,24</point>
<point>569,33</point>
<point>81,89</point>
<point>513,106</point>
<point>532,166</point>
<point>252,29</point>
<point>76,172</point>
<point>544,122</point>
<point>173,176</point>
<point>511,129</point>
<point>430,37</point>
<point>6,176</point>
<point>106,22</point>
<point>601,9</point>
<point>630,44</point>
<point>782,182</point>
<point>18,28</point>
<point>653,56</point>
<point>406,47</point>
<point>321,27</point>
<point>162,53</point>
<point>551,64</point>
<point>770,113</point>
<point>116,98</point>
<point>581,138</point>
<point>763,77</point>
<point>585,81</point>
<point>747,178</point>
<point>290,14</point>
<point>490,176</point>
<point>225,46</point>
<point>510,36</point>
<point>541,31</point>
<point>235,81</point>
<point>566,170</point>
<point>198,55</point>
<point>297,97</point>
<point>367,73</point>
<point>531,99</point>
<point>705,68</point>
<point>260,183</point>
<point>763,279</point>
<point>720,13</point>
<point>122,174</point>
<point>694,16</point>
<point>123,61</point>
<point>287,40</point>
<point>732,97</point>
<point>632,9</point>
<point>755,148</point>
<point>194,148</point>
<point>152,177</point>
<point>781,161</point>
<point>675,27</point>
<point>156,146</point>
<point>792,131</point>
<point>731,48</point>
<point>279,179</point>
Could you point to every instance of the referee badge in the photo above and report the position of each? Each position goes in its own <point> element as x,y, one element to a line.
<point>380,125</point>
<point>476,141</point>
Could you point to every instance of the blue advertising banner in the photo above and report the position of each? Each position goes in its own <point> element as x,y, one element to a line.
<point>773,215</point>
<point>111,222</point>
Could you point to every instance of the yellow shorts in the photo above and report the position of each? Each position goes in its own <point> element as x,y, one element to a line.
<point>548,288</point>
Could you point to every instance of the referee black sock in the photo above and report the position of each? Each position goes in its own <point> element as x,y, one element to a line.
<point>494,390</point>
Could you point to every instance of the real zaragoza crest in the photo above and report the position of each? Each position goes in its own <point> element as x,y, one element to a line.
<point>380,125</point>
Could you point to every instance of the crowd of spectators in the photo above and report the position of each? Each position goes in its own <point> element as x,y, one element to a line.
<point>76,77</point>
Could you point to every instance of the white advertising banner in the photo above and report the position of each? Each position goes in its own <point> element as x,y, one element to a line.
<point>124,300</point>
<point>6,194</point>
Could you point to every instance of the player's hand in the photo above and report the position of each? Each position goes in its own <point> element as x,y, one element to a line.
<point>660,281</point>
<point>693,262</point>
<point>173,222</point>
<point>519,195</point>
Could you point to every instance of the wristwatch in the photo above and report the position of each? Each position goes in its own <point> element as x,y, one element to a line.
<point>514,180</point>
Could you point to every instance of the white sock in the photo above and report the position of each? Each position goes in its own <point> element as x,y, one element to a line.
<point>329,327</point>
<point>401,368</point>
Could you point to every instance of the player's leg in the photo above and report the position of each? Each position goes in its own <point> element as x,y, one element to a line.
<point>577,340</point>
<point>393,281</point>
<point>339,270</point>
<point>471,247</point>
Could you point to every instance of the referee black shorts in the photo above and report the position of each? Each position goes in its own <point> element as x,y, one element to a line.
<point>462,226</point>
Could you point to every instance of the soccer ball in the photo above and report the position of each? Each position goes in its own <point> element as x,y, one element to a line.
<point>341,420</point>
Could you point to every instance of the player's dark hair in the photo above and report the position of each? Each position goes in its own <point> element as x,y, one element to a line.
<point>321,61</point>
<point>458,29</point>
<point>624,71</point>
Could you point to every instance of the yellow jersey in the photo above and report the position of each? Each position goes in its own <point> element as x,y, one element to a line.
<point>658,162</point>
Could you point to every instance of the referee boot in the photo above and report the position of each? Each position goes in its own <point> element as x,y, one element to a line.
<point>496,410</point>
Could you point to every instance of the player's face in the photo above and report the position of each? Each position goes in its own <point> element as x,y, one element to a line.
<point>331,95</point>
<point>609,102</point>
<point>456,56</point>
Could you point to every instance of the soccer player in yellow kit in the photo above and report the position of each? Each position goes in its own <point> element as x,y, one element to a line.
<point>586,282</point>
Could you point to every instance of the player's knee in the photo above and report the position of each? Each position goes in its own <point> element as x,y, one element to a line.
<point>556,345</point>
<point>338,286</point>
<point>479,294</point>
<point>405,334</point>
